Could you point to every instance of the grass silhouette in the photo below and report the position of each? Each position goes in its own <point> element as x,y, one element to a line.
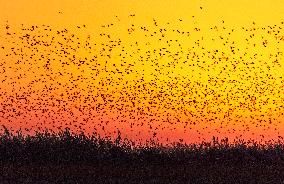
<point>69,158</point>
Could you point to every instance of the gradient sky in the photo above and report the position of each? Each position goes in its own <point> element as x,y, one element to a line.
<point>165,69</point>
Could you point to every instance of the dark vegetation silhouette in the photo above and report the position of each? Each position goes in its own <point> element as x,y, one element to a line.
<point>67,157</point>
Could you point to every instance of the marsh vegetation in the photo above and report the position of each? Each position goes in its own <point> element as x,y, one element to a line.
<point>69,158</point>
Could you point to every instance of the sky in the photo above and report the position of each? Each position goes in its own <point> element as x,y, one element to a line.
<point>168,70</point>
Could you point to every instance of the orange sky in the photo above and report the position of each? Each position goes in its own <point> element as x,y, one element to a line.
<point>174,69</point>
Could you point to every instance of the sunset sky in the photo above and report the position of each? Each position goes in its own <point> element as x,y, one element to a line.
<point>161,69</point>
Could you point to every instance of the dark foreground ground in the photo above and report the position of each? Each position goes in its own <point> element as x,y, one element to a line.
<point>145,173</point>
<point>63,158</point>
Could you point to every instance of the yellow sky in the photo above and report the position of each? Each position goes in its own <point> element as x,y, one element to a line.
<point>209,77</point>
<point>94,12</point>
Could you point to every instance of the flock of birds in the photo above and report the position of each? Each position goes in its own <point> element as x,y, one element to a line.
<point>151,77</point>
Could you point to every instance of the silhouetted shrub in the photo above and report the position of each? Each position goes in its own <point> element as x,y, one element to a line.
<point>64,147</point>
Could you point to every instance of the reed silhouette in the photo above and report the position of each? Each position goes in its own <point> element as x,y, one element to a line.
<point>76,158</point>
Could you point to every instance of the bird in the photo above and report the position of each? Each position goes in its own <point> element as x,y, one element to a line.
<point>164,80</point>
